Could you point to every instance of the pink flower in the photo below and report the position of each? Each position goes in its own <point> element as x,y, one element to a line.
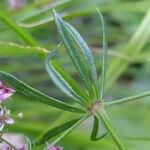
<point>5,118</point>
<point>17,3</point>
<point>5,92</point>
<point>55,148</point>
<point>22,147</point>
<point>6,148</point>
<point>17,140</point>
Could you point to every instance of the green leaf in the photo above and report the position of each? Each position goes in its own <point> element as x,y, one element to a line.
<point>87,52</point>
<point>72,82</point>
<point>104,58</point>
<point>27,38</point>
<point>127,99</point>
<point>59,80</point>
<point>50,133</point>
<point>107,123</point>
<point>95,131</point>
<point>69,130</point>
<point>72,48</point>
<point>35,94</point>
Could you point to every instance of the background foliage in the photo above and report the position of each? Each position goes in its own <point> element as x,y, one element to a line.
<point>128,64</point>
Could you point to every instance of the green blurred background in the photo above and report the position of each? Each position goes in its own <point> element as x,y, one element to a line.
<point>128,66</point>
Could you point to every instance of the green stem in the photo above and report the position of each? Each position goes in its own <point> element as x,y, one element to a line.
<point>127,99</point>
<point>27,38</point>
<point>107,123</point>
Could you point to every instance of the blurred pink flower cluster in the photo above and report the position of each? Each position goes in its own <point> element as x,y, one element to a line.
<point>5,118</point>
<point>18,148</point>
<point>14,4</point>
<point>17,140</point>
<point>5,92</point>
<point>55,148</point>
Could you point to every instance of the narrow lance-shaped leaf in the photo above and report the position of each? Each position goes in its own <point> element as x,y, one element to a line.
<point>69,130</point>
<point>102,115</point>
<point>35,94</point>
<point>87,52</point>
<point>104,59</point>
<point>59,80</point>
<point>127,99</point>
<point>71,81</point>
<point>74,54</point>
<point>95,131</point>
<point>50,133</point>
<point>27,38</point>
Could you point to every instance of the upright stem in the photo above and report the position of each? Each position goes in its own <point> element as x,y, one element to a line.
<point>101,114</point>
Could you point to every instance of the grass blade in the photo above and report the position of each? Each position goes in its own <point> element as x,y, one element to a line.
<point>35,94</point>
<point>27,38</point>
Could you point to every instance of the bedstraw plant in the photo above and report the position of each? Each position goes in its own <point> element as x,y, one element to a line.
<point>89,101</point>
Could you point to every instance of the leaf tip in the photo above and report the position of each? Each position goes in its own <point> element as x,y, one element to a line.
<point>54,12</point>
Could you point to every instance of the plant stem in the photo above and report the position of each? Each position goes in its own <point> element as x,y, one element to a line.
<point>127,99</point>
<point>8,143</point>
<point>107,123</point>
